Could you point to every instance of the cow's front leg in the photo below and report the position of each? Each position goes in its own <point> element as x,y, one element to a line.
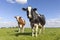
<point>22,29</point>
<point>18,28</point>
<point>32,31</point>
<point>36,29</point>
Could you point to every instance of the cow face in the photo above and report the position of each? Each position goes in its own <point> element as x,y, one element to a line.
<point>29,10</point>
<point>17,18</point>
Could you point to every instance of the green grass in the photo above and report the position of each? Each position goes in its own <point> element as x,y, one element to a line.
<point>12,34</point>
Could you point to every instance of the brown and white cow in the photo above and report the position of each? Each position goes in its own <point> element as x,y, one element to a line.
<point>21,23</point>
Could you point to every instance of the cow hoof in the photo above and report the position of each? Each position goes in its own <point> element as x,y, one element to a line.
<point>22,32</point>
<point>35,35</point>
<point>32,35</point>
<point>19,31</point>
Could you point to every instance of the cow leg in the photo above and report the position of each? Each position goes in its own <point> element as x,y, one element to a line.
<point>40,28</point>
<point>43,28</point>
<point>33,31</point>
<point>36,29</point>
<point>18,28</point>
<point>22,29</point>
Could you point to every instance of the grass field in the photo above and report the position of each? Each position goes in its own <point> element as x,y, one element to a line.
<point>12,34</point>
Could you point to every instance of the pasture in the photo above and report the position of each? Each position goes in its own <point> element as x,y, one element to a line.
<point>12,34</point>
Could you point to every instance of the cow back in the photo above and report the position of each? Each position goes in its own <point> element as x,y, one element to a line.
<point>21,21</point>
<point>42,19</point>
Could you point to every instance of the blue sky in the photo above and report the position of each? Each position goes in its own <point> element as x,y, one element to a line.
<point>11,8</point>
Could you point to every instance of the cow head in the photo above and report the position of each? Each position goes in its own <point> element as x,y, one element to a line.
<point>29,10</point>
<point>17,18</point>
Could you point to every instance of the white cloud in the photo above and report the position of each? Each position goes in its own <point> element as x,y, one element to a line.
<point>8,24</point>
<point>49,23</point>
<point>21,1</point>
<point>1,18</point>
<point>53,22</point>
<point>17,1</point>
<point>10,1</point>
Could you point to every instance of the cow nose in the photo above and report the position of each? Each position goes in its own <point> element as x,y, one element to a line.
<point>30,16</point>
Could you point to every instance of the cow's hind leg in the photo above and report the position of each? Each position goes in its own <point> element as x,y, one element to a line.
<point>40,29</point>
<point>43,29</point>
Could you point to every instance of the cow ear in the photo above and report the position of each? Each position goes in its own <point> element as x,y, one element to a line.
<point>14,16</point>
<point>20,17</point>
<point>24,9</point>
<point>35,9</point>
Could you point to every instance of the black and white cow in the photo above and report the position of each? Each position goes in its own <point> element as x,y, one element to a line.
<point>36,21</point>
